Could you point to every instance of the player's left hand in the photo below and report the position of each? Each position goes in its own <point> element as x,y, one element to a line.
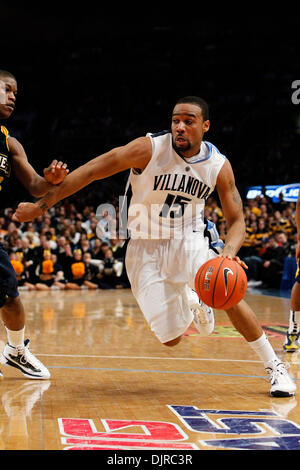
<point>235,258</point>
<point>26,211</point>
<point>56,172</point>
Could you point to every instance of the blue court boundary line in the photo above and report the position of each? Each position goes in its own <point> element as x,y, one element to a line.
<point>107,369</point>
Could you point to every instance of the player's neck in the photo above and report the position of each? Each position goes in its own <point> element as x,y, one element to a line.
<point>191,153</point>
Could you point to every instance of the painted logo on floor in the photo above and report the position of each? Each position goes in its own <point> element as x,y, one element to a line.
<point>256,430</point>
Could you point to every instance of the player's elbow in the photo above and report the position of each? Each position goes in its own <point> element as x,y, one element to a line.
<point>239,223</point>
<point>35,191</point>
<point>36,186</point>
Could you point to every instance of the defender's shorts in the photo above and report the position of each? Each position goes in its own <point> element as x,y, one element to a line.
<point>8,280</point>
<point>162,275</point>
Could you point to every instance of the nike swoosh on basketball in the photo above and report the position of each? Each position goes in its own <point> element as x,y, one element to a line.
<point>226,271</point>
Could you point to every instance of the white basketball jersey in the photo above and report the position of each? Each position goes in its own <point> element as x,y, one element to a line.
<point>168,197</point>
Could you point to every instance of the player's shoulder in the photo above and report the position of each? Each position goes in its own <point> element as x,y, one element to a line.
<point>161,141</point>
<point>161,134</point>
<point>213,149</point>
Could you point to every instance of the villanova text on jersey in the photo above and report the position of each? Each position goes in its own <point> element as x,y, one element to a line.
<point>181,183</point>
<point>169,195</point>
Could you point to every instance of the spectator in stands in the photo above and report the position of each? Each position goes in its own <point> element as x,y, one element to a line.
<point>96,249</point>
<point>91,270</point>
<point>253,206</point>
<point>116,248</point>
<point>78,273</point>
<point>272,263</point>
<point>74,235</point>
<point>106,226</point>
<point>110,272</point>
<point>283,240</point>
<point>31,234</point>
<point>20,270</point>
<point>85,246</point>
<point>49,273</point>
<point>27,255</point>
<point>103,250</point>
<point>280,223</point>
<point>260,235</point>
<point>51,239</point>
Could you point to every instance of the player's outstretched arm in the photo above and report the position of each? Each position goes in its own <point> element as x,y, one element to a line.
<point>233,210</point>
<point>33,182</point>
<point>136,154</point>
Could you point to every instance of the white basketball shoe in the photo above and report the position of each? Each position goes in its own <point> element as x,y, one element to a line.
<point>21,358</point>
<point>281,383</point>
<point>204,319</point>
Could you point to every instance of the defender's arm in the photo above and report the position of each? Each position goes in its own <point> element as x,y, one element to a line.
<point>136,154</point>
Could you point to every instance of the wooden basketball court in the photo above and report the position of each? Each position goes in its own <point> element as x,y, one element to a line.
<point>114,386</point>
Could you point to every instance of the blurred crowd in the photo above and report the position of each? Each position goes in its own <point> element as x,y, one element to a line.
<point>64,249</point>
<point>70,247</point>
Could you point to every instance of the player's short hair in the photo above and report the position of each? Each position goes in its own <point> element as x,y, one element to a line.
<point>197,101</point>
<point>5,73</point>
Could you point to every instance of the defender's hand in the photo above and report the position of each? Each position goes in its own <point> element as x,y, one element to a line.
<point>56,172</point>
<point>26,211</point>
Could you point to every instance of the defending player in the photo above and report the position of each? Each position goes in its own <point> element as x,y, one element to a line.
<point>172,173</point>
<point>13,159</point>
<point>291,343</point>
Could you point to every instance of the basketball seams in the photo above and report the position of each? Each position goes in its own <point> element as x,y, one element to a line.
<point>202,273</point>
<point>216,278</point>
<point>233,289</point>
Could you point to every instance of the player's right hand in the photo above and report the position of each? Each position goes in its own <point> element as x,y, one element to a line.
<point>26,211</point>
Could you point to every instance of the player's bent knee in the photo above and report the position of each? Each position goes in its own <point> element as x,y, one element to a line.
<point>11,302</point>
<point>173,342</point>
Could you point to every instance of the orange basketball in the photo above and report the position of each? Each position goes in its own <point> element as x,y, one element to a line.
<point>221,283</point>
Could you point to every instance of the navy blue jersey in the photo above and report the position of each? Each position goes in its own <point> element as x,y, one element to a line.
<point>5,158</point>
<point>12,192</point>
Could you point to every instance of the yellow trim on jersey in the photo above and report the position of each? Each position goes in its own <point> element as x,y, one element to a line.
<point>6,133</point>
<point>4,130</point>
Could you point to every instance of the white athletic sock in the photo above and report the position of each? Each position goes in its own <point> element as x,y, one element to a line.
<point>263,349</point>
<point>15,338</point>
<point>294,326</point>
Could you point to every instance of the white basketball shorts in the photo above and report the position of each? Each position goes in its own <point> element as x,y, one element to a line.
<point>162,275</point>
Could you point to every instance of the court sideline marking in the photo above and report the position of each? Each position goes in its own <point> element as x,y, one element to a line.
<point>154,358</point>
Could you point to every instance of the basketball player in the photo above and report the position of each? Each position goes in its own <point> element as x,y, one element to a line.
<point>13,158</point>
<point>291,343</point>
<point>172,173</point>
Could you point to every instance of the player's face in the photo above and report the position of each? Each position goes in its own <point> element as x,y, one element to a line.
<point>8,94</point>
<point>188,128</point>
